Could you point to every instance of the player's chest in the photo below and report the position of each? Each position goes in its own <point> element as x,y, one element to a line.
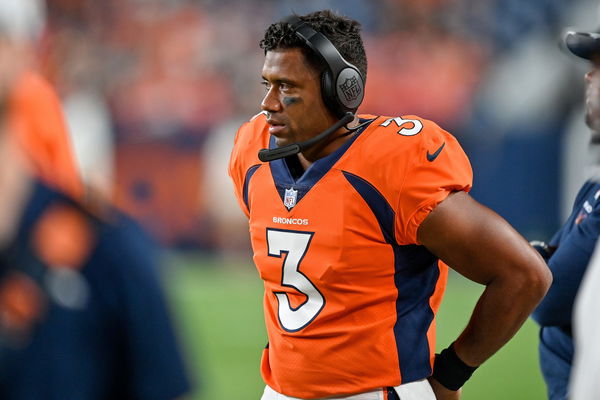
<point>330,225</point>
<point>332,204</point>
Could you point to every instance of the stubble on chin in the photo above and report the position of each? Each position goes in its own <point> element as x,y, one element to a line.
<point>592,120</point>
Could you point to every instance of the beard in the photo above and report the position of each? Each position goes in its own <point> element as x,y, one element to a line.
<point>592,120</point>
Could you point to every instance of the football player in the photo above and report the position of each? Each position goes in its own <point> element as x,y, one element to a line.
<point>354,219</point>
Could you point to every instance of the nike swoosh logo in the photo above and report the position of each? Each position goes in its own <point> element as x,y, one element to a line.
<point>432,157</point>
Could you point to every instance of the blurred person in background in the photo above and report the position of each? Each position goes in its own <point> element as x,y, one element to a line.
<point>569,251</point>
<point>82,312</point>
<point>353,219</point>
<point>32,106</point>
<point>584,383</point>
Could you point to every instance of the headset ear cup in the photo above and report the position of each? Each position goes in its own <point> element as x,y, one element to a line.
<point>329,94</point>
<point>349,89</point>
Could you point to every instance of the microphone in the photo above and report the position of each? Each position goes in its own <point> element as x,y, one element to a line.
<point>266,155</point>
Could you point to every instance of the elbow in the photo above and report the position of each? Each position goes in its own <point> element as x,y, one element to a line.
<point>527,282</point>
<point>537,279</point>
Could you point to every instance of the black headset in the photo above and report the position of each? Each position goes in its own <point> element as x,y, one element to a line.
<point>342,84</point>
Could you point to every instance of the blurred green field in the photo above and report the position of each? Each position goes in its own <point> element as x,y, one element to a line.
<point>218,307</point>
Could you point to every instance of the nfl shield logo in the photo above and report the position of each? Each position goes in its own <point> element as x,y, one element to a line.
<point>289,199</point>
<point>350,88</point>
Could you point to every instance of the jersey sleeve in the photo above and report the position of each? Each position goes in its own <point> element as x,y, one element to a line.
<point>249,139</point>
<point>439,167</point>
<point>568,263</point>
<point>236,172</point>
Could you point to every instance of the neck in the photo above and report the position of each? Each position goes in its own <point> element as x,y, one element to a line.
<point>328,145</point>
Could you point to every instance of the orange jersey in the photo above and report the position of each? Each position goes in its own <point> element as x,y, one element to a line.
<point>40,129</point>
<point>350,295</point>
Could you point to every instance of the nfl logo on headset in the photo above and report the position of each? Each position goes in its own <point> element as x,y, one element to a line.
<point>289,199</point>
<point>350,88</point>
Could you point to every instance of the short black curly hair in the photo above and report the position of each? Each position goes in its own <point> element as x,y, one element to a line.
<point>343,32</point>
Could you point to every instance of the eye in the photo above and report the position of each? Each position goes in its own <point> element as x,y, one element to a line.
<point>285,87</point>
<point>266,85</point>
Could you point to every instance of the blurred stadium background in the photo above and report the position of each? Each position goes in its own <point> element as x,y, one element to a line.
<point>154,90</point>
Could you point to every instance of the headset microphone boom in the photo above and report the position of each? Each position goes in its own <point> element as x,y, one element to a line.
<point>266,155</point>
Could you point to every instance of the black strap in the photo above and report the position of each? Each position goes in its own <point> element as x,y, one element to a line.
<point>392,395</point>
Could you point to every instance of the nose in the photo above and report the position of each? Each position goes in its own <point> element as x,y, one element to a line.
<point>270,102</point>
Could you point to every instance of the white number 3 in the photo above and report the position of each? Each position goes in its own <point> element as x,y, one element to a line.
<point>416,128</point>
<point>294,245</point>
